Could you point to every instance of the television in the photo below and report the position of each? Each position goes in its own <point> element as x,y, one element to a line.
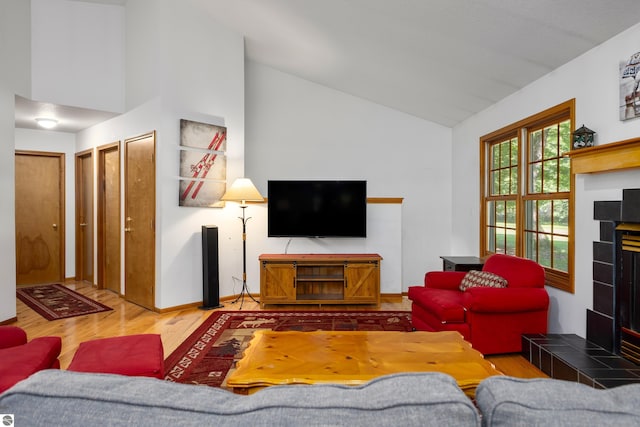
<point>329,208</point>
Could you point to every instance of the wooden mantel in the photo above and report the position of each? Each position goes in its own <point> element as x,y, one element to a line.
<point>606,158</point>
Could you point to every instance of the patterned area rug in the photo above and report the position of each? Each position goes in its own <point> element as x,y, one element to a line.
<point>55,302</point>
<point>210,353</point>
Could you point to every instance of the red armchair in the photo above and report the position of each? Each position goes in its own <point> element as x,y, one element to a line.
<point>19,358</point>
<point>492,319</point>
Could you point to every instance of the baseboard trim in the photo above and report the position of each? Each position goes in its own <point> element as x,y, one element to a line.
<point>394,298</point>
<point>8,321</point>
<point>178,307</point>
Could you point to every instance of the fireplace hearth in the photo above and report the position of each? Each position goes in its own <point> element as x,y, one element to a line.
<point>610,354</point>
<point>598,360</point>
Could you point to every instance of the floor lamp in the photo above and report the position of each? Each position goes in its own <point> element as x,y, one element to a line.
<point>242,190</point>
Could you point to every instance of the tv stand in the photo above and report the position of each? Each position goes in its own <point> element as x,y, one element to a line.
<point>320,279</point>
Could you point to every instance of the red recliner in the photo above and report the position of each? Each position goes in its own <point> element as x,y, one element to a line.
<point>491,319</point>
<point>19,359</point>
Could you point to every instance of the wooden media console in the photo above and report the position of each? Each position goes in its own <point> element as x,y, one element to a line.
<point>320,279</point>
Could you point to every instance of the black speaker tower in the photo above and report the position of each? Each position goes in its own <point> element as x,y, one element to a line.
<point>210,269</point>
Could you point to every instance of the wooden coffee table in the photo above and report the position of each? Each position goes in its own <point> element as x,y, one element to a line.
<point>355,357</point>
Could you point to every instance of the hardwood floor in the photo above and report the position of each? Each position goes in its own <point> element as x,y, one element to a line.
<point>175,326</point>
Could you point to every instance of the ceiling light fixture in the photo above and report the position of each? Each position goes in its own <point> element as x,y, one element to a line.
<point>47,123</point>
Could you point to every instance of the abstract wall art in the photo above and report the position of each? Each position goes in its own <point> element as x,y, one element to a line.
<point>629,90</point>
<point>203,164</point>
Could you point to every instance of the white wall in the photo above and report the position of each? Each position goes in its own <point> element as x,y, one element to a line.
<point>14,78</point>
<point>7,208</point>
<point>78,54</point>
<point>297,129</point>
<point>162,37</point>
<point>188,81</point>
<point>593,80</point>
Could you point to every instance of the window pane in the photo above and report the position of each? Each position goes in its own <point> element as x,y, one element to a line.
<point>505,155</point>
<point>564,180</point>
<point>531,246</point>
<point>514,152</point>
<point>511,213</point>
<point>500,232</point>
<point>514,181</point>
<point>550,176</point>
<point>491,239</point>
<point>544,215</point>
<point>491,209</point>
<point>505,176</point>
<point>500,214</point>
<point>535,146</point>
<point>561,217</point>
<point>530,214</point>
<point>544,250</point>
<point>561,253</point>
<point>565,137</point>
<point>511,241</point>
<point>491,221</point>
<point>494,156</point>
<point>550,142</point>
<point>494,183</point>
<point>535,178</point>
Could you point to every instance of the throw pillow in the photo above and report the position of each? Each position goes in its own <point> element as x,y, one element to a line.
<point>475,278</point>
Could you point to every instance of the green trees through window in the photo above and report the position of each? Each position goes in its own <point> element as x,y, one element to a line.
<point>527,202</point>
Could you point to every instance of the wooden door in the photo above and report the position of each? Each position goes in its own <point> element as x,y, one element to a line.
<point>362,281</point>
<point>39,186</point>
<point>109,253</point>
<point>84,216</point>
<point>277,282</point>
<point>139,226</point>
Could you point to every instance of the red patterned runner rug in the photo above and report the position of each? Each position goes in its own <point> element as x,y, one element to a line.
<point>209,354</point>
<point>55,301</point>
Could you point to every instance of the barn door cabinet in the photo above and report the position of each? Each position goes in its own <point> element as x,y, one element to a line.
<point>320,279</point>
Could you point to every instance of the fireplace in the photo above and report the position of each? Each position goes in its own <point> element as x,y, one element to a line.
<point>608,356</point>
<point>614,322</point>
<point>628,276</point>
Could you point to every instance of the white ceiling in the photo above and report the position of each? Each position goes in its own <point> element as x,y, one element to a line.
<point>441,60</point>
<point>70,119</point>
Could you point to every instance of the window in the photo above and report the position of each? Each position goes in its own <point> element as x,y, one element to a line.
<point>526,198</point>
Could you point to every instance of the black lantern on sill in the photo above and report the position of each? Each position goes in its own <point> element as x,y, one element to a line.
<point>583,137</point>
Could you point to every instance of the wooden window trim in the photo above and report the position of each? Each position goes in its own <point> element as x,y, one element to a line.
<point>566,110</point>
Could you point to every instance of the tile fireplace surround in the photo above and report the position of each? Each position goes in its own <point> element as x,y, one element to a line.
<point>568,356</point>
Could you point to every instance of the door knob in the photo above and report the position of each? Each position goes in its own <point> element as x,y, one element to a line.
<point>55,225</point>
<point>83,224</point>
<point>127,229</point>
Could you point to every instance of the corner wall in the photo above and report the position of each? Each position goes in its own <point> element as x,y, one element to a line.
<point>182,68</point>
<point>297,129</point>
<point>593,79</point>
<point>15,52</point>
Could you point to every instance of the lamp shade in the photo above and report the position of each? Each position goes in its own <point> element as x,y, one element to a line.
<point>242,190</point>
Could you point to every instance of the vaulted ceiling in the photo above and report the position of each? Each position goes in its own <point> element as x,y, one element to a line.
<point>440,60</point>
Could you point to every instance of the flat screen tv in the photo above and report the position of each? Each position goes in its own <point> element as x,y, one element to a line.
<point>317,208</point>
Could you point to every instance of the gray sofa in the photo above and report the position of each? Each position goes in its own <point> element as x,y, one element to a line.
<point>420,399</point>
<point>514,402</point>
